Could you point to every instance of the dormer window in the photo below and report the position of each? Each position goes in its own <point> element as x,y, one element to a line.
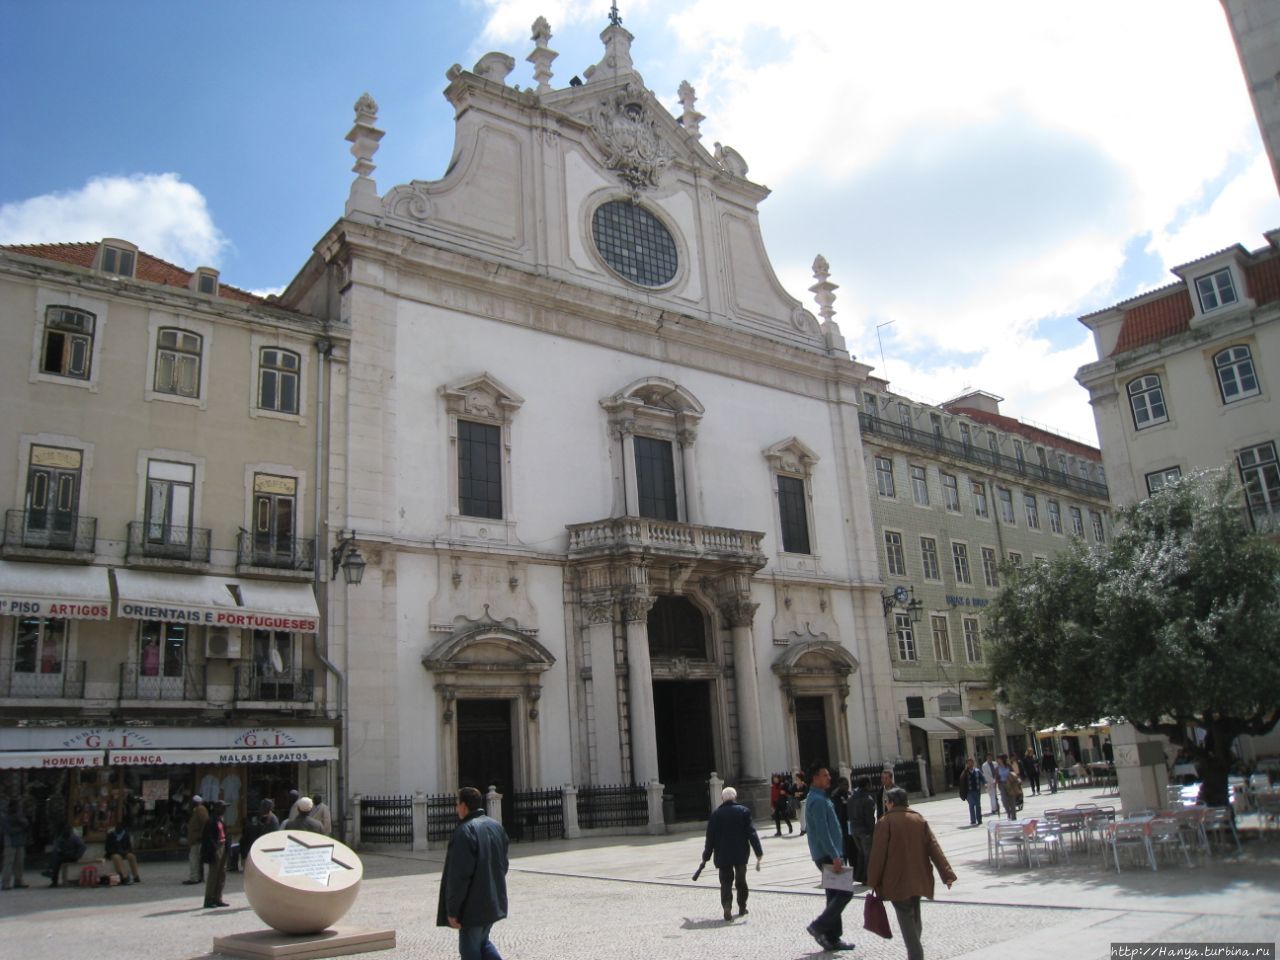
<point>206,281</point>
<point>117,259</point>
<point>1216,290</point>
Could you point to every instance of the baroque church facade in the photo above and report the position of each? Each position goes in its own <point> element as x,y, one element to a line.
<point>605,471</point>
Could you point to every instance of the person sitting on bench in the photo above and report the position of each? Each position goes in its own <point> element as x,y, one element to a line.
<point>119,849</point>
<point>67,848</point>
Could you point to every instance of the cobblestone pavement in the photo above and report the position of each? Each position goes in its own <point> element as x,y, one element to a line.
<point>631,897</point>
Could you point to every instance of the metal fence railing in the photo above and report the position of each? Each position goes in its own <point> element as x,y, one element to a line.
<point>277,553</point>
<point>534,814</point>
<point>47,530</point>
<point>613,806</point>
<point>442,816</point>
<point>387,819</point>
<point>257,683</point>
<point>188,683</point>
<point>157,541</point>
<point>36,679</point>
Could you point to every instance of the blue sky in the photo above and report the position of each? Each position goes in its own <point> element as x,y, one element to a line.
<point>978,174</point>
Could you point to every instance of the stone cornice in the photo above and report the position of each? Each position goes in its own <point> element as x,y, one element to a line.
<point>542,302</point>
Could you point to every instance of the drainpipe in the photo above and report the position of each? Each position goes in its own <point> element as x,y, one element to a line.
<point>324,349</point>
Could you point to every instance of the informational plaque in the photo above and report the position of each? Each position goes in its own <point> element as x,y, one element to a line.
<point>298,859</point>
<point>300,882</point>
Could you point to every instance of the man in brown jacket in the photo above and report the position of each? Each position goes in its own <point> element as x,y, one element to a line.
<point>195,830</point>
<point>902,856</point>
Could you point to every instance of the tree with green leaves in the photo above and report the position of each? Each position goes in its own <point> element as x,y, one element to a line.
<point>1172,626</point>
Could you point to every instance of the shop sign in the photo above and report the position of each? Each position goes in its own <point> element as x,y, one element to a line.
<point>97,738</point>
<point>150,739</point>
<point>160,758</point>
<point>958,601</point>
<point>38,760</point>
<point>265,737</point>
<point>53,607</point>
<point>218,618</point>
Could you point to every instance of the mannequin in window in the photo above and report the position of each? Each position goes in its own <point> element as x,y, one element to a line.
<point>151,658</point>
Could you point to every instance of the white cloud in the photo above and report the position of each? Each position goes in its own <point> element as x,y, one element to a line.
<point>159,212</point>
<point>1241,213</point>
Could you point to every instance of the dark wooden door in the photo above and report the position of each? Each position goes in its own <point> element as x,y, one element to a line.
<point>686,744</point>
<point>811,732</point>
<point>484,746</point>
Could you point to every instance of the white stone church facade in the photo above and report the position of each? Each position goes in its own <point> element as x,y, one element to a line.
<point>606,472</point>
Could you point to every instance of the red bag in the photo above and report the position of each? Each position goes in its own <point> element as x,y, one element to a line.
<point>88,876</point>
<point>875,918</point>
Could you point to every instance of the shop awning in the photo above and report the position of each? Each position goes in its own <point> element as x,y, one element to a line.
<point>50,759</point>
<point>54,590</point>
<point>970,726</point>
<point>930,725</point>
<point>217,601</point>
<point>228,757</point>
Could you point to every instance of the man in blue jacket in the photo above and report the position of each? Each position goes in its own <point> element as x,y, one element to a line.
<point>729,831</point>
<point>826,846</point>
<point>473,887</point>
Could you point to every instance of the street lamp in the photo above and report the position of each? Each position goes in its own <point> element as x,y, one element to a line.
<point>347,557</point>
<point>903,597</point>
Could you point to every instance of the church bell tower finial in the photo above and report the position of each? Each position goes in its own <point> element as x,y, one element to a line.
<point>614,18</point>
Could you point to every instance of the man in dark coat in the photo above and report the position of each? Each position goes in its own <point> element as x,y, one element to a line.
<point>862,826</point>
<point>729,831</point>
<point>214,842</point>
<point>473,886</point>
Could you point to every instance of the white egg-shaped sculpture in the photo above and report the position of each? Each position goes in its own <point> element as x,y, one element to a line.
<point>300,882</point>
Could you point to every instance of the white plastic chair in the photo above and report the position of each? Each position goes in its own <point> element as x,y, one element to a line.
<point>1043,837</point>
<point>1008,835</point>
<point>1219,820</point>
<point>1129,836</point>
<point>1164,833</point>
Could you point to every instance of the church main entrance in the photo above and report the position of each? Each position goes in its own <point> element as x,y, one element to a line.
<point>485,746</point>
<point>686,745</point>
<point>811,732</point>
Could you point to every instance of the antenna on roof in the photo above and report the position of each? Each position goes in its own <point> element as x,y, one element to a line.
<point>613,15</point>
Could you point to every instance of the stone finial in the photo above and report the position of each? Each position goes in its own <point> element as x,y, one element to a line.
<point>617,54</point>
<point>542,55</point>
<point>824,292</point>
<point>364,138</point>
<point>494,66</point>
<point>691,118</point>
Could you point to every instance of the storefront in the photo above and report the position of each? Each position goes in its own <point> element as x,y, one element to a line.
<point>145,776</point>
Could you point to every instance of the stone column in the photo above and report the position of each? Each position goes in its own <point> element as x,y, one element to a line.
<point>356,802</point>
<point>493,804</point>
<point>629,484</point>
<point>607,763</point>
<point>689,463</point>
<point>923,767</point>
<point>740,611</point>
<point>644,731</point>
<point>569,800</point>
<point>714,786</point>
<point>419,820</point>
<point>654,794</point>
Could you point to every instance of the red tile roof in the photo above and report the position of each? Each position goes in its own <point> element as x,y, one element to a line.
<point>149,269</point>
<point>1013,425</point>
<point>1167,315</point>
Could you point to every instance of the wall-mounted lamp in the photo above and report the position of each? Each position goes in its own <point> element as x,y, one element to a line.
<point>903,597</point>
<point>346,556</point>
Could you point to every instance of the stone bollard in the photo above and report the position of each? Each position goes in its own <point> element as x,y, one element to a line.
<point>846,772</point>
<point>493,803</point>
<point>714,786</point>
<point>924,775</point>
<point>569,799</point>
<point>654,791</point>
<point>419,820</point>
<point>356,802</point>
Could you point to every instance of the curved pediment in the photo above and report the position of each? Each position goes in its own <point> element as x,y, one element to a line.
<point>815,657</point>
<point>491,646</point>
<point>791,456</point>
<point>659,393</point>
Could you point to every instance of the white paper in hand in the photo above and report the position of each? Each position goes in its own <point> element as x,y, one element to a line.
<point>837,881</point>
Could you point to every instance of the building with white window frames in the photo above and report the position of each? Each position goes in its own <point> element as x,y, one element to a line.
<point>1184,375</point>
<point>158,621</point>
<point>958,491</point>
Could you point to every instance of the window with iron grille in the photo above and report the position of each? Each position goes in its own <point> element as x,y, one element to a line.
<point>1236,376</point>
<point>656,479</point>
<point>990,568</point>
<point>950,493</point>
<point>960,559</point>
<point>795,519</point>
<point>929,558</point>
<point>479,470</point>
<point>920,486</point>
<point>895,562</point>
<point>634,243</point>
<point>941,640</point>
<point>884,477</point>
<point>906,637</point>
<point>1146,400</point>
<point>972,640</point>
<point>68,343</point>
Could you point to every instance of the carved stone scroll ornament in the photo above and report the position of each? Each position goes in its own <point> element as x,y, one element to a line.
<point>633,147</point>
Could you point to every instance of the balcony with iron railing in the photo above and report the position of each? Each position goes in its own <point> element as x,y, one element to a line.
<point>258,684</point>
<point>162,545</point>
<point>45,534</point>
<point>139,682</point>
<point>971,453</point>
<point>280,555</point>
<point>23,679</point>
